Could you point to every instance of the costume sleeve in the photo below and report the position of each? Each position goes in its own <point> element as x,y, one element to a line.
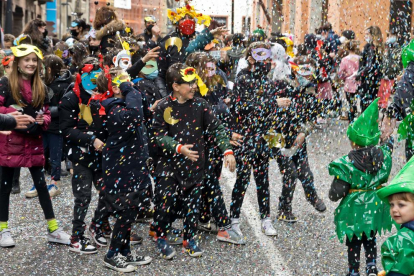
<point>134,70</point>
<point>339,189</point>
<point>4,93</point>
<point>213,125</point>
<point>340,170</point>
<point>201,40</point>
<point>398,254</point>
<point>133,112</point>
<point>160,128</point>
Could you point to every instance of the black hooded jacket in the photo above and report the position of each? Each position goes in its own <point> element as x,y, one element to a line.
<point>77,132</point>
<point>404,94</point>
<point>57,89</point>
<point>126,150</point>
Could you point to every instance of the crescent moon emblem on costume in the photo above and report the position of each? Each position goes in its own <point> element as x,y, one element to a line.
<point>174,41</point>
<point>168,118</point>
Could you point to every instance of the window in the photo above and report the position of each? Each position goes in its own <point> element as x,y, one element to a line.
<point>221,20</point>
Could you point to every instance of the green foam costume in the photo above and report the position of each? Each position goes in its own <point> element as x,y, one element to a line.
<point>398,250</point>
<point>362,211</point>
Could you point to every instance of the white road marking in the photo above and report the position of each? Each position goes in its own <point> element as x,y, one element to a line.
<point>251,215</point>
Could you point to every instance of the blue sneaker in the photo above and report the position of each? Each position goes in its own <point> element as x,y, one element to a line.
<point>31,193</point>
<point>192,249</point>
<point>165,249</point>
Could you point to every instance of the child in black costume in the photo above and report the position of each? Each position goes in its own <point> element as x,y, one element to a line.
<point>179,122</point>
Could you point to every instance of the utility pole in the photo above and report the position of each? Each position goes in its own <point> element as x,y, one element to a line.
<point>232,16</point>
<point>9,17</point>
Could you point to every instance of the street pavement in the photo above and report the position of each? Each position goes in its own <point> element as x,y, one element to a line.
<point>309,247</point>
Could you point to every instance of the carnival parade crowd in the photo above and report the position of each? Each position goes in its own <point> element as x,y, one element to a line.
<point>150,122</point>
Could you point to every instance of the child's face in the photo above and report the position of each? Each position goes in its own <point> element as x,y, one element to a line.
<point>401,211</point>
<point>185,91</point>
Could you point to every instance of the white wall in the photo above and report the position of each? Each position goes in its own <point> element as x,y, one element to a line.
<point>223,8</point>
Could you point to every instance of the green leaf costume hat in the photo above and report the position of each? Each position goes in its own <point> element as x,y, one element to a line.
<point>403,182</point>
<point>407,54</point>
<point>364,131</point>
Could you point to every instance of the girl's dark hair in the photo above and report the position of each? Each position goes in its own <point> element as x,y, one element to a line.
<point>174,75</point>
<point>107,60</point>
<point>32,29</point>
<point>55,64</point>
<point>79,52</point>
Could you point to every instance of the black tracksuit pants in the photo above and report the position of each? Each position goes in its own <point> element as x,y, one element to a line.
<point>293,168</point>
<point>172,202</point>
<point>82,180</point>
<point>254,156</point>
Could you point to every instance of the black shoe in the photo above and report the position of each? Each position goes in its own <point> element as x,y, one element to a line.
<point>118,263</point>
<point>134,259</point>
<point>16,188</point>
<point>82,245</point>
<point>319,205</point>
<point>287,217</point>
<point>135,239</point>
<point>97,235</point>
<point>372,269</point>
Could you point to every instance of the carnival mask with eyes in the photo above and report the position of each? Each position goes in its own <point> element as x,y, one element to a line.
<point>150,70</point>
<point>211,69</point>
<point>123,77</point>
<point>89,80</point>
<point>261,54</point>
<point>122,59</point>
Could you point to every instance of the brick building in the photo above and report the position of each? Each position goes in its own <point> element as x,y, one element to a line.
<point>139,9</point>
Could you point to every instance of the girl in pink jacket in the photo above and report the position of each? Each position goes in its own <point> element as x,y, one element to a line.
<point>347,72</point>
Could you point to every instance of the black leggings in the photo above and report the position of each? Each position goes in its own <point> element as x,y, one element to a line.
<point>213,201</point>
<point>40,185</point>
<point>170,199</point>
<point>121,234</point>
<point>354,251</point>
<point>296,167</point>
<point>258,159</point>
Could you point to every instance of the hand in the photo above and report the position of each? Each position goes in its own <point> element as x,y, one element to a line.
<point>155,33</point>
<point>387,127</point>
<point>152,108</point>
<point>283,102</point>
<point>190,154</point>
<point>5,132</point>
<point>235,139</point>
<point>217,32</point>
<point>22,120</point>
<point>230,162</point>
<point>299,140</point>
<point>98,144</point>
<point>382,273</point>
<point>40,119</point>
<point>153,53</point>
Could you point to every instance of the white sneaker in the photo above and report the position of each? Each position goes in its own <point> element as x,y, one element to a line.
<point>53,190</point>
<point>31,193</point>
<point>6,239</point>
<point>58,236</point>
<point>236,228</point>
<point>267,227</point>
